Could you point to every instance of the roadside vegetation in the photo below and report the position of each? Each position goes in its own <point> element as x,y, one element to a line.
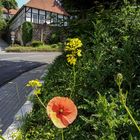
<point>36,46</point>
<point>99,71</point>
<point>101,76</point>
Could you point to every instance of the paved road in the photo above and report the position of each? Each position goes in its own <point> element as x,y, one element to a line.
<point>14,64</point>
<point>34,57</point>
<point>14,93</point>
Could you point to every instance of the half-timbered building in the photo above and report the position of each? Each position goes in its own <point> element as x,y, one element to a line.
<point>42,13</point>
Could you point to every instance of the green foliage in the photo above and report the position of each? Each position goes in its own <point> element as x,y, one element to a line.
<point>36,43</point>
<point>9,4</point>
<point>111,41</point>
<point>27,32</point>
<point>2,21</point>
<point>54,38</point>
<point>45,48</point>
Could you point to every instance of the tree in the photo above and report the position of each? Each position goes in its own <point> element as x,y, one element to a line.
<point>9,4</point>
<point>2,21</point>
<point>82,6</point>
<point>27,32</point>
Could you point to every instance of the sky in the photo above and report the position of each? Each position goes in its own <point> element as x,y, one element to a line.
<point>21,2</point>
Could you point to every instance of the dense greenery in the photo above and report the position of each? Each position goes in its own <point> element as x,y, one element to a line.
<point>9,4</point>
<point>2,22</point>
<point>81,7</point>
<point>111,45</point>
<point>27,32</point>
<point>36,43</point>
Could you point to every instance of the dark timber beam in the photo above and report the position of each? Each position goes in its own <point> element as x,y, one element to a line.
<point>38,15</point>
<point>31,15</point>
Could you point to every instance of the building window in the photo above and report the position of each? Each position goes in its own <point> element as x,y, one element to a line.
<point>35,18</point>
<point>60,20</point>
<point>28,16</point>
<point>65,21</point>
<point>41,19</point>
<point>54,19</point>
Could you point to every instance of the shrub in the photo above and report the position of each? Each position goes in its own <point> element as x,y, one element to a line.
<point>37,43</point>
<point>27,32</point>
<point>32,49</point>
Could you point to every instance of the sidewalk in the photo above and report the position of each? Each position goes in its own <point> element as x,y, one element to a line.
<point>14,94</point>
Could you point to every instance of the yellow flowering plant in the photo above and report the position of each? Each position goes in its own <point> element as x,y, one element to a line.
<point>73,47</point>
<point>36,85</point>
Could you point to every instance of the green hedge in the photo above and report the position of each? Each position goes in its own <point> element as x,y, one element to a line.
<point>32,49</point>
<point>36,43</point>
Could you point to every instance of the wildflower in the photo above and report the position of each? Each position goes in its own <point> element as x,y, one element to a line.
<point>73,46</point>
<point>34,83</point>
<point>79,53</point>
<point>62,111</point>
<point>37,91</point>
<point>71,59</point>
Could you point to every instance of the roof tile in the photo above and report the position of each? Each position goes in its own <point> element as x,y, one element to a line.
<point>48,5</point>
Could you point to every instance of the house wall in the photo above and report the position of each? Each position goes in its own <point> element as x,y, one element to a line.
<point>38,16</point>
<point>43,21</point>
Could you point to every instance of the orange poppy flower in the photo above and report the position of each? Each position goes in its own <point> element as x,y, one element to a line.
<point>62,111</point>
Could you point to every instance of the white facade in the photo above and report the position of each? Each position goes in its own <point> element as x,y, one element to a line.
<point>37,16</point>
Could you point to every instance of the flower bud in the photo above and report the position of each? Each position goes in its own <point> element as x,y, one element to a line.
<point>119,79</point>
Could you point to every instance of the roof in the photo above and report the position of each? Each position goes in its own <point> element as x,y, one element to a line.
<point>47,5</point>
<point>12,11</point>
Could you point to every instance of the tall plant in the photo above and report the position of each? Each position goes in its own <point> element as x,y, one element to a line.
<point>27,32</point>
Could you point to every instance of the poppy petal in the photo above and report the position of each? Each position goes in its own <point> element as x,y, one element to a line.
<point>62,111</point>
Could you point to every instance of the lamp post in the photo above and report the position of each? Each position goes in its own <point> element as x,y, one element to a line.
<point>12,37</point>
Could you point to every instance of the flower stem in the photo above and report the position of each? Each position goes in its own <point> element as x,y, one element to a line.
<point>74,81</point>
<point>40,101</point>
<point>1,138</point>
<point>62,134</point>
<point>123,101</point>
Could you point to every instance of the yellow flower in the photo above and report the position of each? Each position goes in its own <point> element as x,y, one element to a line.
<point>79,53</point>
<point>71,59</point>
<point>37,91</point>
<point>34,83</point>
<point>73,46</point>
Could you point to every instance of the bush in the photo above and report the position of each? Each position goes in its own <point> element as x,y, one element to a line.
<point>37,43</point>
<point>111,45</point>
<point>27,32</point>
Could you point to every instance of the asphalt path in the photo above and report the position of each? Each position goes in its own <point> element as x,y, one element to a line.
<point>10,70</point>
<point>14,64</point>
<point>16,69</point>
